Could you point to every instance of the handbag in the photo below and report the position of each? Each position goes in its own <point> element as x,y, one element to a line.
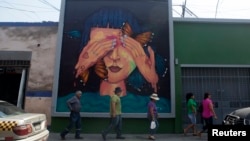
<point>152,125</point>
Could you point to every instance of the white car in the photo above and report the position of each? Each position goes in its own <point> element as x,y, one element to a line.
<point>17,125</point>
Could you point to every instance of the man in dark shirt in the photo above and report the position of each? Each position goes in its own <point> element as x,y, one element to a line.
<point>74,105</point>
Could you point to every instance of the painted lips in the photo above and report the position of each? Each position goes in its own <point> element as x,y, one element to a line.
<point>114,69</point>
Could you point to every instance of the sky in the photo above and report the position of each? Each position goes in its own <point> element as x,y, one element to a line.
<point>220,9</point>
<point>49,10</point>
<point>29,10</point>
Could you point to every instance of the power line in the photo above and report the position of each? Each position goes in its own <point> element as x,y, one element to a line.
<point>16,9</point>
<point>49,4</point>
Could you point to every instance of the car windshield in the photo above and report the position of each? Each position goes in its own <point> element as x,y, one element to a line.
<point>7,109</point>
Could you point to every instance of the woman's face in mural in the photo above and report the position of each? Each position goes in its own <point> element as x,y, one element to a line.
<point>115,55</point>
<point>119,61</point>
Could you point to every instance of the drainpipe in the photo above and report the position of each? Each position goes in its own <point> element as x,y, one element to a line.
<point>20,93</point>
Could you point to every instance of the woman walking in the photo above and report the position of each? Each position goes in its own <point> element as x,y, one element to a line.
<point>153,115</point>
<point>191,111</point>
<point>208,112</point>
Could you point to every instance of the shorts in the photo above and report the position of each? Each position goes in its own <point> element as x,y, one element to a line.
<point>192,118</point>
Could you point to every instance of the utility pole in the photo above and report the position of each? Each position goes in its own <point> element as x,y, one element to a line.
<point>183,9</point>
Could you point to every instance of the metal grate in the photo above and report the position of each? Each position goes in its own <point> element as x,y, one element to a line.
<point>23,63</point>
<point>230,87</point>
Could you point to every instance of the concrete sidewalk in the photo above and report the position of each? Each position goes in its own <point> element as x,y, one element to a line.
<point>130,137</point>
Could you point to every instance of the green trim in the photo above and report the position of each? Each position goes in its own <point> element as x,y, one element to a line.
<point>130,126</point>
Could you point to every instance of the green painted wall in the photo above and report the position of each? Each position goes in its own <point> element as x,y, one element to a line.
<point>195,43</point>
<point>208,43</point>
<point>212,43</point>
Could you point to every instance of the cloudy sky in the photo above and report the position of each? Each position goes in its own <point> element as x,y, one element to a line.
<point>49,10</point>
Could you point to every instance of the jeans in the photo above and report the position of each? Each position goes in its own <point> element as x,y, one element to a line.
<point>115,123</point>
<point>75,120</point>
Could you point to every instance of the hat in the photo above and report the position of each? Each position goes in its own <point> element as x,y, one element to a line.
<point>78,92</point>
<point>154,96</point>
<point>118,90</point>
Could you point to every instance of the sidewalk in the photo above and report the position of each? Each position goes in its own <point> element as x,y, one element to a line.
<point>130,137</point>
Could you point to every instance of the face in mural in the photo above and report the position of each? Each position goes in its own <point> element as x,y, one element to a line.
<point>115,55</point>
<point>119,61</point>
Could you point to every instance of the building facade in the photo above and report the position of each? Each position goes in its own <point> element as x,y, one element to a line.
<point>209,56</point>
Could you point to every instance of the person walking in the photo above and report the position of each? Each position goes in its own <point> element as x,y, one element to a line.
<point>191,112</point>
<point>207,113</point>
<point>115,113</point>
<point>74,105</point>
<point>153,116</point>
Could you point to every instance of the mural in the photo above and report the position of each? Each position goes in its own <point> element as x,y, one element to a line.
<point>110,44</point>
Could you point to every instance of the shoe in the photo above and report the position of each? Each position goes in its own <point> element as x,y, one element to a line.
<point>62,137</point>
<point>120,137</point>
<point>151,137</point>
<point>103,137</point>
<point>78,137</point>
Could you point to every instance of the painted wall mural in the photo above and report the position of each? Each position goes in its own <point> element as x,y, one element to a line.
<point>106,44</point>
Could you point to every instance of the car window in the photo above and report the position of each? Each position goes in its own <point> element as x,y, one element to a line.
<point>2,114</point>
<point>7,109</point>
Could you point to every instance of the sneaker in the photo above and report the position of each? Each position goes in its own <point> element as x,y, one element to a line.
<point>151,137</point>
<point>103,137</point>
<point>120,137</point>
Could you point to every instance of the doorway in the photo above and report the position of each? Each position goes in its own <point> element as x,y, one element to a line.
<point>14,66</point>
<point>9,84</point>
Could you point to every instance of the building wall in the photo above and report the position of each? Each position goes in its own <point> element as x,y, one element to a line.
<point>196,42</point>
<point>41,40</point>
<point>212,42</point>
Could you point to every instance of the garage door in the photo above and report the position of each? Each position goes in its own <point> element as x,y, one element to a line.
<point>229,86</point>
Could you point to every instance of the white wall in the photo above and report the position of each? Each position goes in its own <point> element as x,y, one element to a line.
<point>41,41</point>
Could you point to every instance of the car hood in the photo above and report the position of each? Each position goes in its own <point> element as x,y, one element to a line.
<point>242,113</point>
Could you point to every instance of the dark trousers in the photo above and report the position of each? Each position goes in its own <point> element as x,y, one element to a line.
<point>207,122</point>
<point>153,131</point>
<point>75,120</point>
<point>116,124</point>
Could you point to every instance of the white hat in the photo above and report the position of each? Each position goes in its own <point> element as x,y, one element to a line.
<point>154,96</point>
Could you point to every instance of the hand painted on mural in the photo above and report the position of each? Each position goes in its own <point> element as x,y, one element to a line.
<point>145,64</point>
<point>115,55</point>
<point>96,49</point>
